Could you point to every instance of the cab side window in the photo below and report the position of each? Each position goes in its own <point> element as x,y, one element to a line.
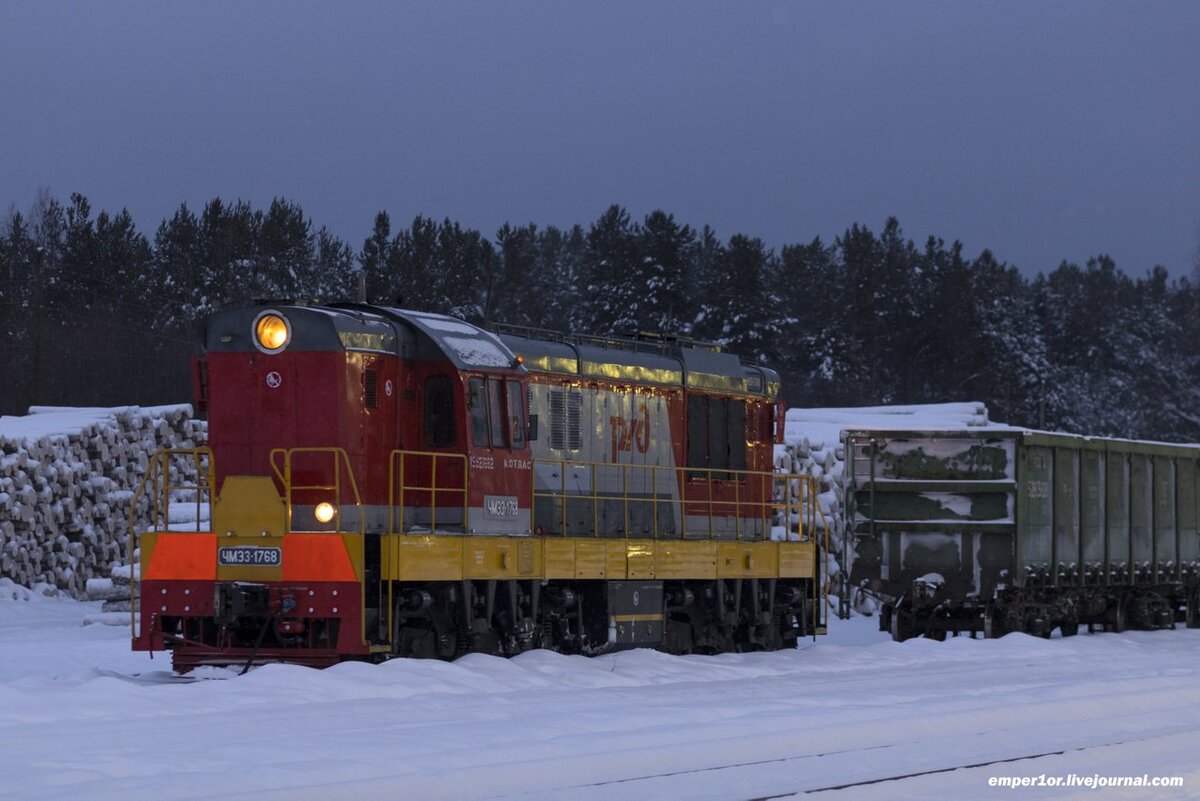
<point>516,414</point>
<point>497,413</point>
<point>477,400</point>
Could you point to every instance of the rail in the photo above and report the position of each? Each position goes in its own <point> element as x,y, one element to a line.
<point>158,487</point>
<point>399,486</point>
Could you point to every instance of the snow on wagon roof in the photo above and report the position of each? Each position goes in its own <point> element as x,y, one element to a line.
<point>826,426</point>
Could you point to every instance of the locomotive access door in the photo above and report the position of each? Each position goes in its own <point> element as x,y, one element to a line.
<point>372,424</point>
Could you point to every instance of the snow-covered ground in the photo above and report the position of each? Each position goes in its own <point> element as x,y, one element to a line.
<point>83,717</point>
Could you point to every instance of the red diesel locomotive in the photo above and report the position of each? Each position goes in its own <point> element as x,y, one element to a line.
<point>385,482</point>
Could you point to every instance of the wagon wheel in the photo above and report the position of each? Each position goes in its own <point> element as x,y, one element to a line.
<point>1192,615</point>
<point>902,626</point>
<point>993,621</point>
<point>1120,615</point>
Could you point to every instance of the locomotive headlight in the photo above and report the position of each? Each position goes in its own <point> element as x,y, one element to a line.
<point>271,332</point>
<point>324,512</point>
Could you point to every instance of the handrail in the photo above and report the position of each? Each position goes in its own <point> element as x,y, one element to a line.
<point>761,506</point>
<point>158,472</point>
<point>156,484</point>
<point>399,483</point>
<point>340,458</point>
<point>812,514</point>
<point>398,488</point>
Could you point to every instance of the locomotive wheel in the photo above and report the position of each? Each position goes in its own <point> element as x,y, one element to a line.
<point>1069,628</point>
<point>1192,615</point>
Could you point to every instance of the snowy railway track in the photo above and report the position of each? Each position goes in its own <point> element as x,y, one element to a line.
<point>630,784</point>
<point>725,775</point>
<point>894,763</point>
<point>973,765</point>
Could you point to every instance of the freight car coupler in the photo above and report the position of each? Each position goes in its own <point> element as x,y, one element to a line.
<point>236,600</point>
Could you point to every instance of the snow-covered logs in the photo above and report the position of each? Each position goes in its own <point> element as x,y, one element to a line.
<point>822,461</point>
<point>67,479</point>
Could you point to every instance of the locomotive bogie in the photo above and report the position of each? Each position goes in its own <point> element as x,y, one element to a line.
<point>507,617</point>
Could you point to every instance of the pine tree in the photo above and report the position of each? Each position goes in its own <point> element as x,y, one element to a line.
<point>17,279</point>
<point>1012,371</point>
<point>376,259</point>
<point>414,272</point>
<point>441,268</point>
<point>229,243</point>
<point>609,275</point>
<point>466,260</point>
<point>333,275</point>
<point>516,287</point>
<point>560,256</point>
<point>747,308</point>
<point>284,252</point>
<point>946,334</point>
<point>1184,311</point>
<point>667,251</point>
<point>709,283</point>
<point>1083,315</point>
<point>176,264</point>
<point>809,306</point>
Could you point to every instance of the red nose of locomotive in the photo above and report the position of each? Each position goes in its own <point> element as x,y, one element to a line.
<point>309,409</point>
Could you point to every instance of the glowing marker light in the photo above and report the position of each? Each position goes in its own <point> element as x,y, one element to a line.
<point>324,512</point>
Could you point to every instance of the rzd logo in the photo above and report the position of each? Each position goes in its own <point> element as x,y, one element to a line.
<point>628,434</point>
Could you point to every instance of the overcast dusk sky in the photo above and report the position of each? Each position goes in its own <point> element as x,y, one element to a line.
<point>1044,131</point>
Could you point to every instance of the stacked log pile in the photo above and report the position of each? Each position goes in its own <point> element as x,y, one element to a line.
<point>67,481</point>
<point>823,461</point>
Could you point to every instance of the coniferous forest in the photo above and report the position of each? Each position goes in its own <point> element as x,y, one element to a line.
<point>95,311</point>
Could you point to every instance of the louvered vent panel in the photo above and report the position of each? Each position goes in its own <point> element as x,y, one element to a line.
<point>371,385</point>
<point>574,422</point>
<point>556,408</point>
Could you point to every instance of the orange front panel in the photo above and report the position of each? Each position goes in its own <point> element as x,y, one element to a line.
<point>183,556</point>
<point>316,557</point>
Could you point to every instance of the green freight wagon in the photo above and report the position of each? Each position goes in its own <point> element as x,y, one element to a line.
<point>1000,529</point>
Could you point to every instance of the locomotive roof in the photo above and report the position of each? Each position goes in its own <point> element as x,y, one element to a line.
<point>655,361</point>
<point>467,346</point>
<point>358,327</point>
<point>415,334</point>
